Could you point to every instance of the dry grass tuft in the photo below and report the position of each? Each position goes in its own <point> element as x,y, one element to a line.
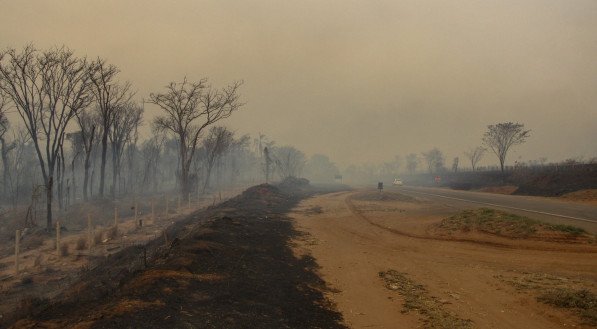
<point>416,297</point>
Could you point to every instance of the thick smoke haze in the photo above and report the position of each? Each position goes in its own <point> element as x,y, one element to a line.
<point>360,81</point>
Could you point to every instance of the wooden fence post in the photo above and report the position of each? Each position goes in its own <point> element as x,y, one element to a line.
<point>58,238</point>
<point>89,232</point>
<point>116,216</point>
<point>167,204</point>
<point>137,221</point>
<point>17,246</point>
<point>152,212</point>
<point>189,206</point>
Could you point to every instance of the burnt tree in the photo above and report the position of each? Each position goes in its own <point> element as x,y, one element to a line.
<point>48,88</point>
<point>189,108</point>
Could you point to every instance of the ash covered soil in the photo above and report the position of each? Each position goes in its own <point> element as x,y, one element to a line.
<point>229,266</point>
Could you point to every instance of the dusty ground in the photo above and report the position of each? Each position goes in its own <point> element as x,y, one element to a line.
<point>390,270</point>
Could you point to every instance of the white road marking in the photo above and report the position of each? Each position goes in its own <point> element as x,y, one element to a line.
<point>507,207</point>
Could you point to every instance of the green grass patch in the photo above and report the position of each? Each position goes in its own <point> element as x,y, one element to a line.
<point>502,223</point>
<point>583,302</point>
<point>568,229</point>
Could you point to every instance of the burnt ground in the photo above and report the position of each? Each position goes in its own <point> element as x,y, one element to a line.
<point>548,180</point>
<point>229,266</point>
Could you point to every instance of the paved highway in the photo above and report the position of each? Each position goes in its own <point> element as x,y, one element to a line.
<point>546,209</point>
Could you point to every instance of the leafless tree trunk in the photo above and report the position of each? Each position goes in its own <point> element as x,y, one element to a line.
<point>88,124</point>
<point>435,160</point>
<point>109,95</point>
<point>189,108</point>
<point>218,141</point>
<point>412,161</point>
<point>268,164</point>
<point>500,137</point>
<point>150,151</point>
<point>6,146</point>
<point>127,118</point>
<point>289,161</point>
<point>475,155</point>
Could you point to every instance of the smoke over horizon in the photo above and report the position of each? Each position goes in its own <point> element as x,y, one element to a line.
<point>357,81</point>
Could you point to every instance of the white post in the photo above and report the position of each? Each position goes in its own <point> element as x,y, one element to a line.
<point>89,232</point>
<point>17,246</point>
<point>167,204</point>
<point>58,238</point>
<point>152,212</point>
<point>136,220</point>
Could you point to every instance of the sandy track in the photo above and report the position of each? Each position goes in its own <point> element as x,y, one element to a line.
<point>354,240</point>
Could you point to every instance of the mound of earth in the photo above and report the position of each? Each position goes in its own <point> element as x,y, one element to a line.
<point>383,196</point>
<point>589,195</point>
<point>293,183</point>
<point>229,266</point>
<point>259,196</point>
<point>499,223</point>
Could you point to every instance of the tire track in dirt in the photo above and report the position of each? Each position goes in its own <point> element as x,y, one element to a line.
<point>354,210</point>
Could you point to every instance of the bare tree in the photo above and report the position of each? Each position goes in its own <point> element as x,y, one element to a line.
<point>216,143</point>
<point>268,163</point>
<point>412,161</point>
<point>16,162</point>
<point>320,168</point>
<point>109,95</point>
<point>126,120</point>
<point>475,155</point>
<point>502,136</point>
<point>289,161</point>
<point>48,88</point>
<point>455,163</point>
<point>88,123</point>
<point>189,108</point>
<point>434,159</point>
<point>151,151</point>
<point>6,146</point>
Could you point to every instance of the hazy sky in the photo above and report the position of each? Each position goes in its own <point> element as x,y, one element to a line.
<point>360,81</point>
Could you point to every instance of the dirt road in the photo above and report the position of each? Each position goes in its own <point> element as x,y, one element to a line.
<point>489,283</point>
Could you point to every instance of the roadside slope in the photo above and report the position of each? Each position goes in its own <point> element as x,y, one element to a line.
<point>231,267</point>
